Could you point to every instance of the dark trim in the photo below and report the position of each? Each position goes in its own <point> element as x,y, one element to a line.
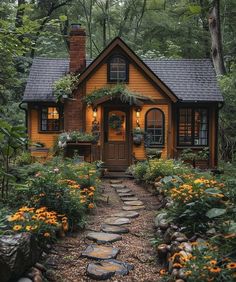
<point>216,136</point>
<point>117,55</point>
<point>163,128</point>
<point>193,108</point>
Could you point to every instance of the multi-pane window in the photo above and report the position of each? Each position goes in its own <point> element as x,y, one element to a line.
<point>50,119</point>
<point>193,127</point>
<point>118,70</point>
<point>155,126</point>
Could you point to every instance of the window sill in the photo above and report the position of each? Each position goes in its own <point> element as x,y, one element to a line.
<point>50,132</point>
<point>156,146</point>
<point>191,146</point>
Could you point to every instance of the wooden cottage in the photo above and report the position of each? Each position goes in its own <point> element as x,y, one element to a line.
<point>167,105</point>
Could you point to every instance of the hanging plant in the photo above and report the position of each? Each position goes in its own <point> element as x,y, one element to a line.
<point>115,122</point>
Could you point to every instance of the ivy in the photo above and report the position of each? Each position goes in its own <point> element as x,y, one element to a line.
<point>126,95</point>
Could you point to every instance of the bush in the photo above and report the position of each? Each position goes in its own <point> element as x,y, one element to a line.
<point>139,170</point>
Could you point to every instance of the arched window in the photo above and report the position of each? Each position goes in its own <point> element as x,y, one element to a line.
<point>117,69</point>
<point>154,126</point>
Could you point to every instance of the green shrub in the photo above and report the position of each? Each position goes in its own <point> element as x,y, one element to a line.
<point>139,170</point>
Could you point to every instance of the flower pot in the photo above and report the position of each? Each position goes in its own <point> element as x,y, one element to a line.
<point>137,139</point>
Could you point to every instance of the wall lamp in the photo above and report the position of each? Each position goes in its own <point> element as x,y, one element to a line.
<point>138,110</point>
<point>95,114</point>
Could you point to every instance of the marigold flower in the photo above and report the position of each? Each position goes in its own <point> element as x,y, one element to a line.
<point>28,228</point>
<point>215,269</point>
<point>177,265</point>
<point>162,272</point>
<point>17,227</point>
<point>91,206</point>
<point>213,262</point>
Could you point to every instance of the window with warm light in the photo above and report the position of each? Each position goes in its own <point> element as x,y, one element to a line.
<point>50,119</point>
<point>117,69</point>
<point>154,122</point>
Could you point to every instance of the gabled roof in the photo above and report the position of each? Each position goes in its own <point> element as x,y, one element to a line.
<point>183,79</point>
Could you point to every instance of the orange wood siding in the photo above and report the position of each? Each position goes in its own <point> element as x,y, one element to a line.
<point>46,138</point>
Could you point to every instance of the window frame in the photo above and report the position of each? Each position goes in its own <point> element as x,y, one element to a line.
<point>194,109</point>
<point>152,145</point>
<point>60,112</point>
<point>109,79</point>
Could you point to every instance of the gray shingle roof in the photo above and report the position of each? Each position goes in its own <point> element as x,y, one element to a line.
<point>189,80</point>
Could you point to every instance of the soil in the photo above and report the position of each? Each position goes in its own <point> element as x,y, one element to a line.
<point>64,261</point>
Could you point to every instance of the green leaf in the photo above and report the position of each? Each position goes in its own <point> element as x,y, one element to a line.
<point>195,9</point>
<point>63,18</point>
<point>215,212</point>
<point>213,191</point>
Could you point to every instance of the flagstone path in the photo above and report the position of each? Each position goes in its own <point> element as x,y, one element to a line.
<point>116,244</point>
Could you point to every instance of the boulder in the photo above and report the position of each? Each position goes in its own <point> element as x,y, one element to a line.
<point>17,254</point>
<point>160,217</point>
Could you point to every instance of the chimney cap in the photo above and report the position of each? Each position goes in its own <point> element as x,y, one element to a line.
<point>76,29</point>
<point>75,25</point>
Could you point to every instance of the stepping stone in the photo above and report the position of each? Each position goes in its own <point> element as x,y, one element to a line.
<point>129,198</point>
<point>102,237</point>
<point>132,208</point>
<point>106,269</point>
<point>100,252</point>
<point>130,194</point>
<point>128,214</point>
<point>118,186</point>
<point>117,221</point>
<point>116,181</point>
<point>133,203</point>
<point>114,229</point>
<point>125,190</point>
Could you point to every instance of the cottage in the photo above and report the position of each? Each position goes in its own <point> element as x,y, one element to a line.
<point>128,104</point>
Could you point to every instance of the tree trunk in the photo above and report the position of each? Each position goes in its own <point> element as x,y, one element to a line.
<point>216,40</point>
<point>20,13</point>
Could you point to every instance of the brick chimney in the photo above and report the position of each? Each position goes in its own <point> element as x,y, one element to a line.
<point>77,48</point>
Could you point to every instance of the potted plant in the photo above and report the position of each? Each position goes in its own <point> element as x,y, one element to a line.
<point>138,136</point>
<point>153,153</point>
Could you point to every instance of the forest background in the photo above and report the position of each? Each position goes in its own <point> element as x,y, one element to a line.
<point>152,28</point>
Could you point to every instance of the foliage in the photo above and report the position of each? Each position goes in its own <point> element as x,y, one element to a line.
<point>125,95</point>
<point>64,87</point>
<point>189,154</point>
<point>74,136</point>
<point>39,221</point>
<point>139,170</point>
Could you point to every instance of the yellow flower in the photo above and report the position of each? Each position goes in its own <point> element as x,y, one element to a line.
<point>177,265</point>
<point>213,262</point>
<point>28,227</point>
<point>17,227</point>
<point>91,206</point>
<point>82,201</point>
<point>162,272</point>
<point>215,269</point>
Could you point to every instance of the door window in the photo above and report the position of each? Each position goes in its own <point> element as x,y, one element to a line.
<point>116,126</point>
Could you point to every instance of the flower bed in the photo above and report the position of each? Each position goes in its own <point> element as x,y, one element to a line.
<point>195,231</point>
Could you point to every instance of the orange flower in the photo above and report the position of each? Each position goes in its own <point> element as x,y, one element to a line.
<point>91,206</point>
<point>46,234</point>
<point>213,262</point>
<point>162,272</point>
<point>231,265</point>
<point>177,265</point>
<point>215,269</point>
<point>17,227</point>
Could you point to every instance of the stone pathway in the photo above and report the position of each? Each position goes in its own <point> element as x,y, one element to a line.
<point>116,244</point>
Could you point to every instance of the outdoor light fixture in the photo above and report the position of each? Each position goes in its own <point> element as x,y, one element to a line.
<point>95,114</point>
<point>138,116</point>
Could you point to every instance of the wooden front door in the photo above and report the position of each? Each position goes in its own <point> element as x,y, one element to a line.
<point>116,128</point>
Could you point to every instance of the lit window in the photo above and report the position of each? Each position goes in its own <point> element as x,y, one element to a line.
<point>117,70</point>
<point>155,126</point>
<point>50,119</point>
<point>193,127</point>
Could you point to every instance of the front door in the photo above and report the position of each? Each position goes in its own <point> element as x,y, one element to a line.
<point>116,153</point>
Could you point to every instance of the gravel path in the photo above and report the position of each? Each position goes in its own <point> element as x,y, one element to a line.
<point>66,264</point>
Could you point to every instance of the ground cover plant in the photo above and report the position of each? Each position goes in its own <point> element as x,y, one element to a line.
<point>202,205</point>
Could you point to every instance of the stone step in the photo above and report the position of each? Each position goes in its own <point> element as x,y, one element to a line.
<point>118,186</point>
<point>102,237</point>
<point>122,194</point>
<point>106,269</point>
<point>117,221</point>
<point>114,229</point>
<point>132,208</point>
<point>133,203</point>
<point>115,181</point>
<point>125,190</point>
<point>129,198</point>
<point>99,252</point>
<point>128,214</point>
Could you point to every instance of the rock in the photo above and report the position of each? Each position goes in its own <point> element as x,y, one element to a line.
<point>38,278</point>
<point>114,229</point>
<point>130,194</point>
<point>175,247</point>
<point>129,198</point>
<point>117,221</point>
<point>167,235</point>
<point>181,236</point>
<point>159,218</point>
<point>100,252</point>
<point>132,208</point>
<point>179,280</point>
<point>40,267</point>
<point>174,272</point>
<point>181,274</point>
<point>116,181</point>
<point>211,231</point>
<point>125,190</point>
<point>24,279</point>
<point>118,186</point>
<point>17,254</point>
<point>164,224</point>
<point>134,203</point>
<point>186,247</point>
<point>129,214</point>
<point>102,237</point>
<point>106,269</point>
